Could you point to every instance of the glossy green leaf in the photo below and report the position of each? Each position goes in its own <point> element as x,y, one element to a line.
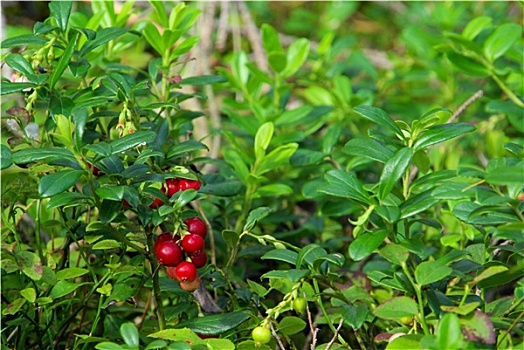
<point>467,65</point>
<point>410,341</point>
<point>105,345</point>
<point>239,68</point>
<point>19,64</point>
<point>431,271</point>
<point>476,26</point>
<point>395,253</point>
<point>214,324</point>
<point>58,182</point>
<point>368,148</point>
<point>366,243</point>
<point>104,35</point>
<point>464,210</point>
<point>284,255</point>
<point>390,213</point>
<point>290,325</point>
<point>115,193</point>
<point>293,275</point>
<point>256,215</point>
<point>131,141</point>
<point>506,175</point>
<point>342,184</point>
<point>393,170</point>
<point>417,204</point>
<point>29,294</point>
<point>297,54</point>
<point>270,39</point>
<point>441,133</point>
<point>355,315</point>
<point>153,37</point>
<point>309,254</point>
<point>7,87</point>
<point>63,287</point>
<point>395,308</point>
<point>14,307</point>
<point>107,244</point>
<point>276,158</point>
<point>293,116</point>
<point>501,40</point>
<point>70,272</point>
<point>515,148</point>
<point>61,10</point>
<point>63,62</point>
<point>129,334</point>
<point>379,117</point>
<point>263,138</point>
<point>23,40</point>
<point>5,157</point>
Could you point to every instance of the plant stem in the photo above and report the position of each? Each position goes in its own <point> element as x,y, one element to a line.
<point>418,292</point>
<point>156,281</point>
<point>324,312</point>
<point>508,92</point>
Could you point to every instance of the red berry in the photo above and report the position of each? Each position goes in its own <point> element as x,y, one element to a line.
<point>199,258</point>
<point>167,251</point>
<point>197,226</point>
<point>173,186</point>
<point>95,170</point>
<point>186,272</point>
<point>157,203</point>
<point>190,286</point>
<point>125,203</point>
<point>186,184</point>
<point>192,243</point>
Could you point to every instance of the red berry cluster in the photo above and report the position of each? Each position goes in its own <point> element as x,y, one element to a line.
<point>172,186</point>
<point>183,254</point>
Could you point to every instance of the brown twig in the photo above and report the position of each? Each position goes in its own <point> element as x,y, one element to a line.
<point>332,341</point>
<point>465,105</point>
<point>277,338</point>
<point>314,330</point>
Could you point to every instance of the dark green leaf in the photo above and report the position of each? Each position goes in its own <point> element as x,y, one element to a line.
<point>418,203</point>
<point>355,315</point>
<point>58,182</point>
<point>19,64</point>
<point>7,87</point>
<point>441,133</point>
<point>292,275</point>
<point>368,148</point>
<point>61,11</point>
<point>393,170</point>
<point>129,333</point>
<point>366,243</point>
<point>464,210</point>
<point>70,272</point>
<point>63,62</point>
<point>309,254</point>
<point>203,80</point>
<point>100,148</point>
<point>285,255</point>
<point>506,175</point>
<point>342,184</point>
<point>514,148</point>
<point>291,325</point>
<point>63,287</point>
<point>378,116</point>
<point>255,216</point>
<point>215,324</point>
<point>467,65</point>
<point>115,193</point>
<point>501,40</point>
<point>67,199</point>
<point>30,264</point>
<point>5,157</point>
<point>23,40</point>
<point>103,36</point>
<point>131,141</point>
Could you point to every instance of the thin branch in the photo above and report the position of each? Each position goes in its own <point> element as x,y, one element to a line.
<point>465,105</point>
<point>277,338</point>
<point>314,330</point>
<point>253,35</point>
<point>332,341</point>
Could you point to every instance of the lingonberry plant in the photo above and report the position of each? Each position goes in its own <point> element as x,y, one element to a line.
<point>185,176</point>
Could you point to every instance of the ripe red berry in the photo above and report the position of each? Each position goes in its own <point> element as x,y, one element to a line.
<point>186,184</point>
<point>125,203</point>
<point>167,251</point>
<point>190,286</point>
<point>173,186</point>
<point>199,258</point>
<point>94,169</point>
<point>157,203</point>
<point>186,272</point>
<point>192,243</point>
<point>197,226</point>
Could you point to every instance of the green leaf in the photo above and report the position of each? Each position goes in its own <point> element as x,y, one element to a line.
<point>291,325</point>
<point>256,215</point>
<point>131,141</point>
<point>417,204</point>
<point>106,345</point>
<point>239,68</point>
<point>277,61</point>
<point>464,310</point>
<point>276,158</point>
<point>395,253</point>
<point>263,138</point>
<point>463,211</point>
<point>5,157</point>
<point>467,65</point>
<point>378,116</point>
<point>366,243</point>
<point>390,213</point>
<point>213,324</point>
<point>19,64</point>
<point>285,255</point>
<point>355,315</point>
<point>68,199</point>
<point>297,54</point>
<point>368,148</point>
<point>514,148</point>
<point>61,11</point>
<point>115,193</point>
<point>230,237</point>
<point>106,244</point>
<point>342,184</point>
<point>441,133</point>
<point>58,182</point>
<point>293,275</point>
<point>410,341</point>
<point>501,40</point>
<point>203,80</point>
<point>63,287</point>
<point>7,87</point>
<point>153,37</point>
<point>270,39</point>
<point>506,175</point>
<point>476,26</point>
<point>393,171</point>
<point>431,271</point>
<point>23,40</point>
<point>103,36</point>
<point>14,307</point>
<point>489,272</point>
<point>70,272</point>
<point>309,254</point>
<point>29,294</point>
<point>161,12</point>
<point>63,62</point>
<point>129,333</point>
<point>395,308</point>
<point>292,116</point>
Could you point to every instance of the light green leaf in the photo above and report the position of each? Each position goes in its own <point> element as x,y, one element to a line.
<point>263,138</point>
<point>431,271</point>
<point>291,325</point>
<point>501,40</point>
<point>395,308</point>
